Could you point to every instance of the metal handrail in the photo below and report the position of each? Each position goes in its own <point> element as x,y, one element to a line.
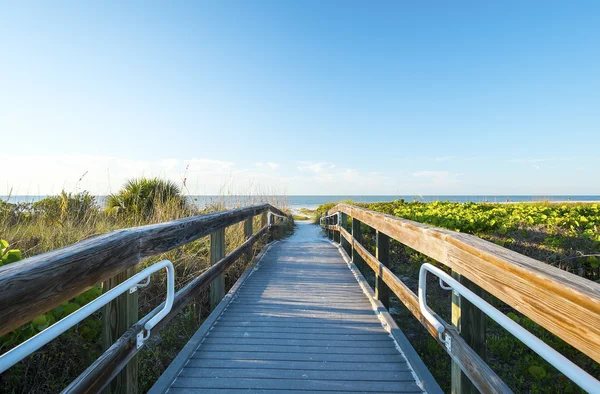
<point>270,220</point>
<point>560,362</point>
<point>15,355</point>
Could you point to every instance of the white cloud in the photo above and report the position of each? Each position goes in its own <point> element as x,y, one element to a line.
<point>273,166</point>
<point>312,166</point>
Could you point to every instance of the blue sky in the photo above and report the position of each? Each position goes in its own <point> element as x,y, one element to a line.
<point>311,97</point>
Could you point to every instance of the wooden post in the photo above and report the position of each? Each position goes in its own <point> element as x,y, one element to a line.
<point>471,324</point>
<point>336,234</point>
<point>343,223</point>
<point>263,220</point>
<point>248,233</point>
<point>117,317</point>
<point>382,253</point>
<point>331,223</point>
<point>356,259</point>
<point>217,252</point>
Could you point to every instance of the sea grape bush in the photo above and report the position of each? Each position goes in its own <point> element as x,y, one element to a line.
<point>477,218</point>
<point>570,232</point>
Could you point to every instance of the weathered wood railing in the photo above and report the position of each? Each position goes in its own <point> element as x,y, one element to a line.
<point>563,303</point>
<point>35,285</point>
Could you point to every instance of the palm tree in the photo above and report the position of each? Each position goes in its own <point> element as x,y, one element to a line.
<point>140,196</point>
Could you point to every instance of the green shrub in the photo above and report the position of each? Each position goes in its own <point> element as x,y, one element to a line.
<point>140,197</point>
<point>75,207</point>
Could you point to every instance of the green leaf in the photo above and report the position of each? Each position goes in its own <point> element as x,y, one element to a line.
<point>513,317</point>
<point>12,256</point>
<point>39,321</point>
<point>537,372</point>
<point>70,308</point>
<point>3,246</point>
<point>593,261</point>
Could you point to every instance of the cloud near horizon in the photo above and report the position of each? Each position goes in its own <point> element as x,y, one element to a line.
<point>101,175</point>
<point>98,174</point>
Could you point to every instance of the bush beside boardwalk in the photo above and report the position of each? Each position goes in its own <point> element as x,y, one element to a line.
<point>566,236</point>
<point>62,220</point>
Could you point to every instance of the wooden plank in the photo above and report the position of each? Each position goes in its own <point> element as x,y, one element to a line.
<point>223,373</point>
<point>348,348</point>
<point>309,365</point>
<point>308,328</point>
<point>382,254</point>
<point>298,384</point>
<point>217,251</point>
<point>180,390</point>
<point>317,357</point>
<point>297,342</point>
<point>97,375</point>
<point>117,317</point>
<point>37,284</point>
<point>563,303</point>
<point>299,335</point>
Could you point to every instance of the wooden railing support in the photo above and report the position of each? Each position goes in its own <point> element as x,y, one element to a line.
<point>356,259</point>
<point>382,253</point>
<point>117,317</point>
<point>336,233</point>
<point>217,252</point>
<point>263,220</point>
<point>343,223</point>
<point>248,233</point>
<point>471,324</point>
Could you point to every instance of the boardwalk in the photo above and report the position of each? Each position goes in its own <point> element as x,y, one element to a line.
<point>299,322</point>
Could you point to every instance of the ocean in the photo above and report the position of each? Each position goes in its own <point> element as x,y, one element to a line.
<point>311,202</point>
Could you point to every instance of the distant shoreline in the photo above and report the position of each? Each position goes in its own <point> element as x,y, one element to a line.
<point>297,202</point>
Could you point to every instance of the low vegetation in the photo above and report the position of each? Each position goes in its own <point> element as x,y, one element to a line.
<point>566,236</point>
<point>57,221</point>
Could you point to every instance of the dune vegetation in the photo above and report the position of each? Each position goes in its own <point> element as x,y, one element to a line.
<point>564,235</point>
<point>57,221</point>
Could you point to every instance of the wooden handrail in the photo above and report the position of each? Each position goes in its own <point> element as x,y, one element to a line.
<point>35,285</point>
<point>538,290</point>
